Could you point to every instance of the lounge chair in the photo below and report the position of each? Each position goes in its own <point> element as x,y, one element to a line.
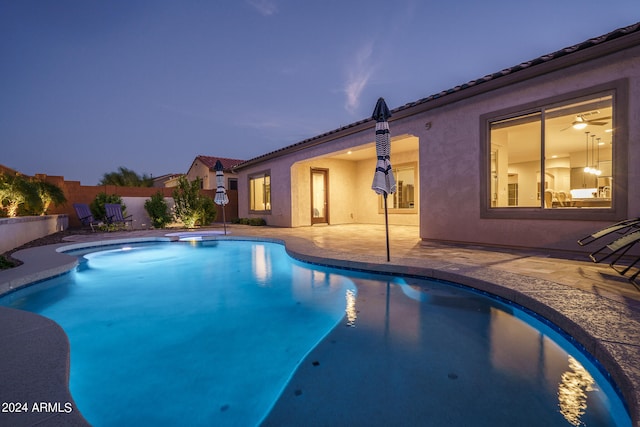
<point>85,216</point>
<point>621,227</point>
<point>619,248</point>
<point>114,215</point>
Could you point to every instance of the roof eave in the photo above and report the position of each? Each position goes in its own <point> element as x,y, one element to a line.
<point>555,61</point>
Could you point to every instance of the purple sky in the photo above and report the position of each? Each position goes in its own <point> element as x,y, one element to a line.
<point>87,86</point>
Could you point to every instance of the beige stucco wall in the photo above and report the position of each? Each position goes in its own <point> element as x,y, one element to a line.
<point>17,231</point>
<point>342,188</point>
<point>450,167</point>
<point>351,199</point>
<point>199,170</point>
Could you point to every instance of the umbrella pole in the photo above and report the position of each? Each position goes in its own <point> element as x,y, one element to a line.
<point>224,221</point>
<point>386,224</point>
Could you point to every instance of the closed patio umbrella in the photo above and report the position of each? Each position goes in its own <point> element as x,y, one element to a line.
<point>384,182</point>
<point>221,197</point>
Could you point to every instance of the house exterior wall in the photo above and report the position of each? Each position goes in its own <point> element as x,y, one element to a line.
<point>451,162</point>
<point>351,199</point>
<point>290,198</point>
<point>450,153</point>
<point>199,170</point>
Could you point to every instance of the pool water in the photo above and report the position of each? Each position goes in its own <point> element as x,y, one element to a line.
<point>210,333</point>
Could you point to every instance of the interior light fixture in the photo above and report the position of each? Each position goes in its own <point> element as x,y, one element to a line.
<point>579,123</point>
<point>593,170</point>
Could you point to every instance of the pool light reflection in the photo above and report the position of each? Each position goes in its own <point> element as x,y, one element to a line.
<point>572,392</point>
<point>351,311</point>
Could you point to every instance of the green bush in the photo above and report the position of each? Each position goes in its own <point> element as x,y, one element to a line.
<point>250,221</point>
<point>158,210</point>
<point>191,207</point>
<point>16,192</point>
<point>97,206</point>
<point>5,263</point>
<point>20,195</point>
<point>208,211</point>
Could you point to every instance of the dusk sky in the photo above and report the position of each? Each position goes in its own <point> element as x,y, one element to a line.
<point>88,86</point>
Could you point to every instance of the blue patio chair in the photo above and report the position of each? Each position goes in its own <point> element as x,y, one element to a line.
<point>85,216</point>
<point>114,215</point>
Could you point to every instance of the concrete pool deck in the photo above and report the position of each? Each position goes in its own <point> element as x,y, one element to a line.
<point>591,302</point>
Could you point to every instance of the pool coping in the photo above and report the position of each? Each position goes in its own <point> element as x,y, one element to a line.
<point>563,305</point>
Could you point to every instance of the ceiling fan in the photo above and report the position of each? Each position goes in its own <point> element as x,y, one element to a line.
<point>581,122</point>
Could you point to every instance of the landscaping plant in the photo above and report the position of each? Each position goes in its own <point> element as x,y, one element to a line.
<point>158,210</point>
<point>97,206</point>
<point>16,190</point>
<point>191,207</point>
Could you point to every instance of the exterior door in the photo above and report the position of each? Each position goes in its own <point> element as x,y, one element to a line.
<point>319,196</point>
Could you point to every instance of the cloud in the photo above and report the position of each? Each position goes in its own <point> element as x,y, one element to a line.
<point>359,72</point>
<point>264,7</point>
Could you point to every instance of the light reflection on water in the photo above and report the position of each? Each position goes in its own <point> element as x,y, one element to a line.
<point>351,312</point>
<point>572,392</point>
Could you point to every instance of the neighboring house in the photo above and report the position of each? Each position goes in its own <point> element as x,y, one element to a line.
<point>204,167</point>
<point>536,155</point>
<point>169,180</point>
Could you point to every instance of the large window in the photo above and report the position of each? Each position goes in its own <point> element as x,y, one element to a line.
<point>403,200</point>
<point>556,156</point>
<point>260,192</point>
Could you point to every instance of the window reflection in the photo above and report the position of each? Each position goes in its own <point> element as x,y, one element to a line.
<point>261,264</point>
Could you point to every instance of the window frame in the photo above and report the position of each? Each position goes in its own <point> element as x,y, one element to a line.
<point>250,179</point>
<point>619,89</point>
<point>414,209</point>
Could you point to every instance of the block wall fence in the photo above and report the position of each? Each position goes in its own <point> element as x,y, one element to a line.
<point>132,197</point>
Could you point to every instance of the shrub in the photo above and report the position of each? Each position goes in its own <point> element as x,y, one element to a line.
<point>158,210</point>
<point>208,211</point>
<point>49,193</point>
<point>191,207</point>
<point>250,221</point>
<point>15,192</point>
<point>5,263</point>
<point>97,206</point>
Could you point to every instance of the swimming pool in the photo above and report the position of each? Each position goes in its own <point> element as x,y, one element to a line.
<point>440,340</point>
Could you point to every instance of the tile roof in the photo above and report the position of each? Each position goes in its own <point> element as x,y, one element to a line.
<point>616,34</point>
<point>210,161</point>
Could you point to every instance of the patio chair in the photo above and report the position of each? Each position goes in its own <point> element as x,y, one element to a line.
<point>619,248</point>
<point>621,227</point>
<point>85,216</point>
<point>114,215</point>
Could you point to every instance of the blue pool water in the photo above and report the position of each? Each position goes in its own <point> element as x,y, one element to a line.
<point>210,333</point>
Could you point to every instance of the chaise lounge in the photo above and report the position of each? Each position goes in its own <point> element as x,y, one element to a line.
<point>629,235</point>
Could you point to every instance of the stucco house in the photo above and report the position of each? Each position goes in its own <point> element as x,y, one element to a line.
<point>204,167</point>
<point>536,155</point>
